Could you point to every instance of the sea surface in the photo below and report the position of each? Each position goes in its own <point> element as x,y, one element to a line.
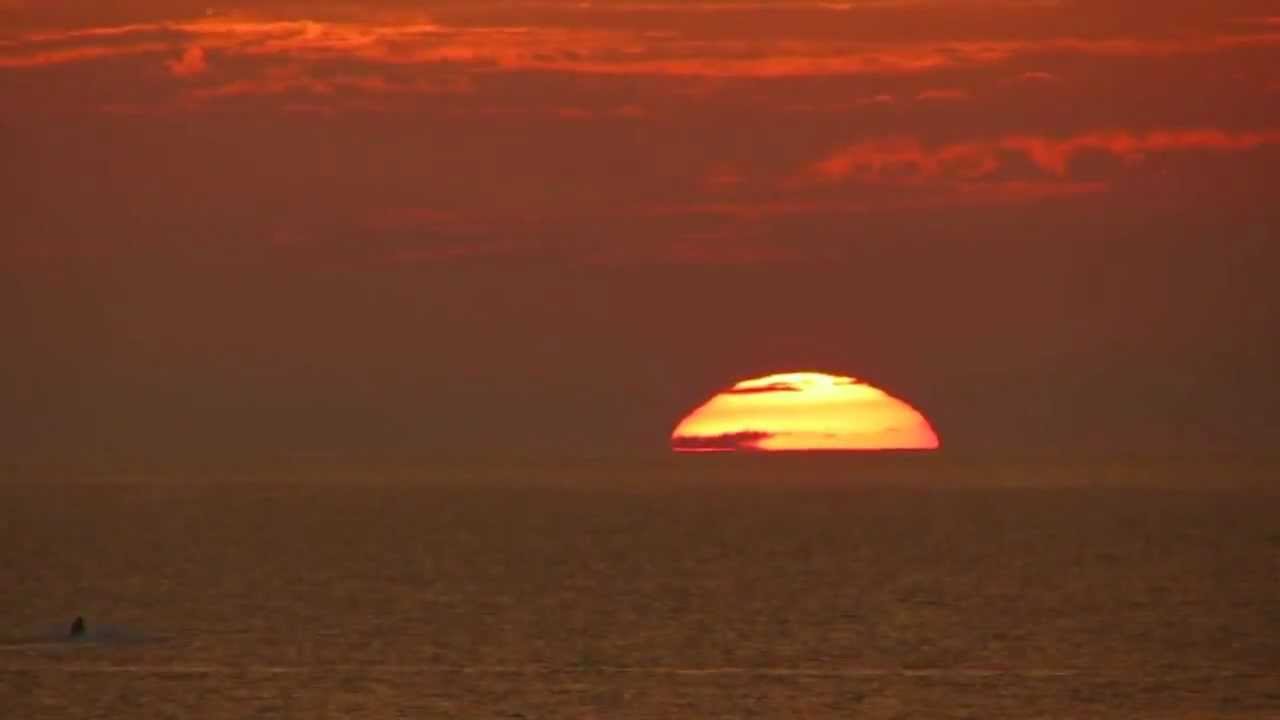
<point>686,587</point>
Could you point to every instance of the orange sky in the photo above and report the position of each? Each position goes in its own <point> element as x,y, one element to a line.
<point>328,216</point>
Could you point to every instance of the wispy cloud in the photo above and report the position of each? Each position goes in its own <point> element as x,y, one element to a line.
<point>1036,76</point>
<point>943,95</point>
<point>191,63</point>
<point>584,50</point>
<point>43,57</point>
<point>1054,155</point>
<point>907,160</point>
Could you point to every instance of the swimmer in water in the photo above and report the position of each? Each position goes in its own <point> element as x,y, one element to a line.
<point>77,628</point>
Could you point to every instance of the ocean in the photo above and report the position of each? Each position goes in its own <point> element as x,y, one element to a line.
<point>682,587</point>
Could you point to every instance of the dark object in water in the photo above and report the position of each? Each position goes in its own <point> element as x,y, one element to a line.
<point>77,627</point>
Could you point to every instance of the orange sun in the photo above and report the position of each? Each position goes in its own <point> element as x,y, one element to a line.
<point>803,411</point>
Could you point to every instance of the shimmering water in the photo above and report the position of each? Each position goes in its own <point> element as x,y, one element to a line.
<point>688,588</point>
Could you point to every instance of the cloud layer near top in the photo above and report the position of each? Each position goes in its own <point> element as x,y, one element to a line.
<point>597,42</point>
<point>730,118</point>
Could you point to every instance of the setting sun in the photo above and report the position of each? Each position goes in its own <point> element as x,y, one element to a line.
<point>803,411</point>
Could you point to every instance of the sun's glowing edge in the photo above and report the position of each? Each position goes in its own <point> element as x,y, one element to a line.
<point>803,412</point>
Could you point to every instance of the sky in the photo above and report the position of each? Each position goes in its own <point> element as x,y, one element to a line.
<point>551,226</point>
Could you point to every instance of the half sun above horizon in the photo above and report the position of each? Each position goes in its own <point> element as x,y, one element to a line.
<point>803,411</point>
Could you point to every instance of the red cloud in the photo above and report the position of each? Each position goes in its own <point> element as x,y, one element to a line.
<point>1054,155</point>
<point>191,63</point>
<point>59,56</point>
<point>905,160</point>
<point>586,50</point>
<point>1037,76</point>
<point>944,94</point>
